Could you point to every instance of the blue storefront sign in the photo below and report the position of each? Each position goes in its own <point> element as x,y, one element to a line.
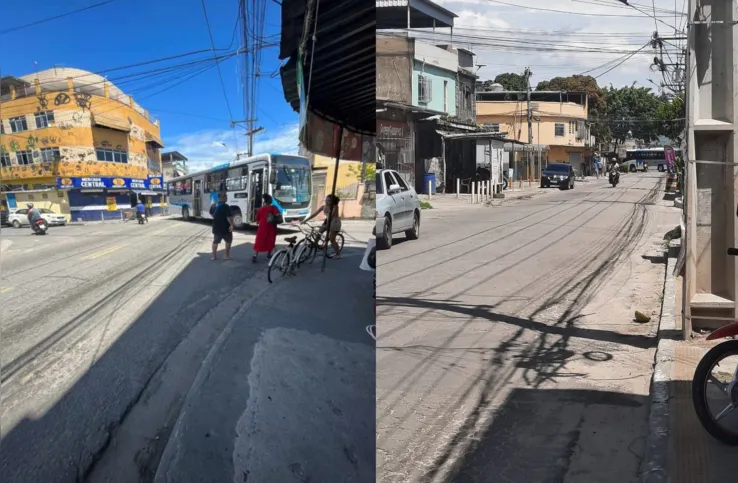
<point>153,183</point>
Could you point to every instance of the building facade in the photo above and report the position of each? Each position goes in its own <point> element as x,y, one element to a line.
<point>559,122</point>
<point>173,165</point>
<point>434,77</point>
<point>74,142</point>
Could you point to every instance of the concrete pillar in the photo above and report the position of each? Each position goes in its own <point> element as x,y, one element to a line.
<point>70,84</point>
<point>37,86</point>
<point>710,286</point>
<point>12,92</point>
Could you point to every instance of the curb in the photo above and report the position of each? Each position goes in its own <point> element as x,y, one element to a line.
<point>655,463</point>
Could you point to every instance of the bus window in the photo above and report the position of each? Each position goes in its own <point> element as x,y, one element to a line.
<point>237,179</point>
<point>185,187</point>
<point>215,182</point>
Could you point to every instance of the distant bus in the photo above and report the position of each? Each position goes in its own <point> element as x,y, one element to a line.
<point>287,178</point>
<point>641,159</point>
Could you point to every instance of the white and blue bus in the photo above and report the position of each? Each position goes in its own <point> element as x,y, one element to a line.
<point>641,159</point>
<point>287,178</point>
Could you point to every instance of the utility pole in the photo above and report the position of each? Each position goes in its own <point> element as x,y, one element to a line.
<point>250,133</point>
<point>527,75</point>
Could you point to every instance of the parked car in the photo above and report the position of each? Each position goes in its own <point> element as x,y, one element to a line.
<point>558,174</point>
<point>19,218</point>
<point>398,208</point>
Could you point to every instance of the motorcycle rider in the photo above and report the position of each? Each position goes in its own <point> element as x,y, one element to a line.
<point>615,168</point>
<point>141,211</point>
<point>34,214</point>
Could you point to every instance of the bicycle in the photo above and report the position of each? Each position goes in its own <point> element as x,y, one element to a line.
<point>314,242</point>
<point>285,260</point>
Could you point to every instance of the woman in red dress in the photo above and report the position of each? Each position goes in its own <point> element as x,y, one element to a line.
<point>266,233</point>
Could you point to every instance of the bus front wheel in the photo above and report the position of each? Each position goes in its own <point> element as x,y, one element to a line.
<point>238,219</point>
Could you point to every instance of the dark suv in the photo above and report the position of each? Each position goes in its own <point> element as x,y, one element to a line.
<point>558,174</point>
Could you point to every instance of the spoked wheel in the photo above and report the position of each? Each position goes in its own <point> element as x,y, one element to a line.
<point>339,241</point>
<point>308,250</point>
<point>278,265</point>
<point>715,392</point>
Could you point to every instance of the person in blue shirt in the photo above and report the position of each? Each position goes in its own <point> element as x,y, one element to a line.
<point>140,209</point>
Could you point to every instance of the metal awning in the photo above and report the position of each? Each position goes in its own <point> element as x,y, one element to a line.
<point>147,192</point>
<point>343,63</point>
<point>111,122</point>
<point>153,138</point>
<point>520,147</point>
<point>396,14</point>
<point>475,135</point>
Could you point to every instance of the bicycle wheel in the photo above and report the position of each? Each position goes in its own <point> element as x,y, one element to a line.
<point>303,251</point>
<point>339,241</point>
<point>279,264</point>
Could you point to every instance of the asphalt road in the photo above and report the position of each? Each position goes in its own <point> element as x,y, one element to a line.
<point>102,322</point>
<point>507,350</point>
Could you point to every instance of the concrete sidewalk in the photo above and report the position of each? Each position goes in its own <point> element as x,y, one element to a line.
<point>679,450</point>
<point>288,391</point>
<point>450,201</point>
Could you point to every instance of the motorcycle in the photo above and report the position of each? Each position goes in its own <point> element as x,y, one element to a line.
<point>141,218</point>
<point>40,226</point>
<point>614,177</point>
<point>708,387</point>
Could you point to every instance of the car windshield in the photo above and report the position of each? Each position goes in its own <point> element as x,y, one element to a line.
<point>557,168</point>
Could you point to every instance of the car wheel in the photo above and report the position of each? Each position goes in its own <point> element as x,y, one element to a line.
<point>414,233</point>
<point>16,224</point>
<point>385,242</point>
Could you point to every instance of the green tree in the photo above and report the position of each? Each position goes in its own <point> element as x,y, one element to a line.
<point>370,173</point>
<point>511,81</point>
<point>632,112</point>
<point>671,115</point>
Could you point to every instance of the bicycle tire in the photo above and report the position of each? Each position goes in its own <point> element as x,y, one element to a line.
<point>340,241</point>
<point>699,391</point>
<point>302,251</point>
<point>280,262</point>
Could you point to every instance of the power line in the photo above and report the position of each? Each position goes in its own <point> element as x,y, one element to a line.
<point>212,46</point>
<point>49,19</point>
<point>621,62</point>
<point>568,12</point>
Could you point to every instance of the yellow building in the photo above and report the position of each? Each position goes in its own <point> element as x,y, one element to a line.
<point>74,142</point>
<point>559,121</point>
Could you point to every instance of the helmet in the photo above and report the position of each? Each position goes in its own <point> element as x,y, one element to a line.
<point>29,205</point>
<point>614,160</point>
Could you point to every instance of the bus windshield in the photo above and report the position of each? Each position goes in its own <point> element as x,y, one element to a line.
<point>292,179</point>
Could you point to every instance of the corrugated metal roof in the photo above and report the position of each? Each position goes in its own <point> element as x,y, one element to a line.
<point>342,87</point>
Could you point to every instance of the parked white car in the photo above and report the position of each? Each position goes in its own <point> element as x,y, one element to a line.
<point>19,218</point>
<point>398,208</point>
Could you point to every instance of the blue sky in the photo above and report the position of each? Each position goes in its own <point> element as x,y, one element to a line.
<point>194,117</point>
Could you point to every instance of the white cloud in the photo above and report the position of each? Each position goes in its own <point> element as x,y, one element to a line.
<point>207,148</point>
<point>602,25</point>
